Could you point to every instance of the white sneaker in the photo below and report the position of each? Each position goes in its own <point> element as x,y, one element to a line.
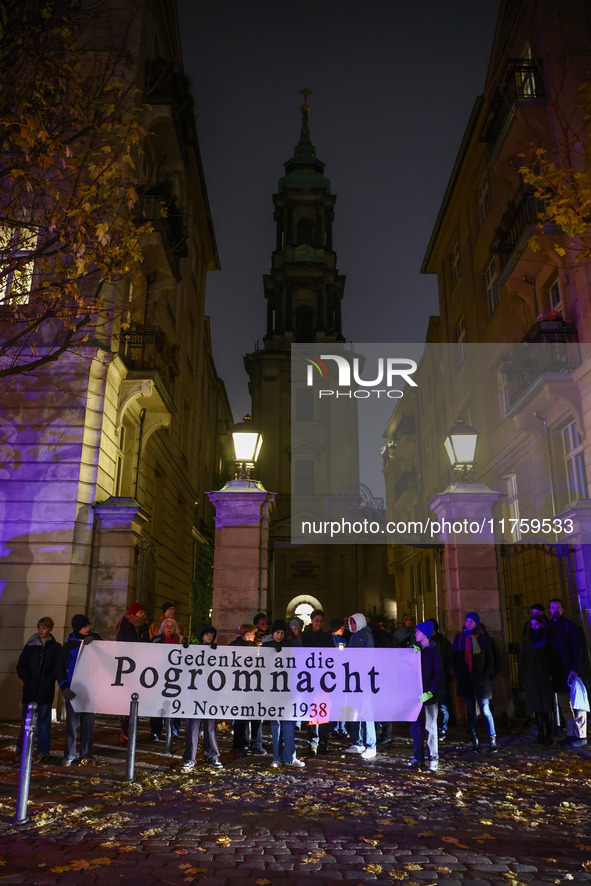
<point>369,753</point>
<point>296,764</point>
<point>188,765</point>
<point>275,764</point>
<point>355,749</point>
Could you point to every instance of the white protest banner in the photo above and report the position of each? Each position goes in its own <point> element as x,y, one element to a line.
<point>248,683</point>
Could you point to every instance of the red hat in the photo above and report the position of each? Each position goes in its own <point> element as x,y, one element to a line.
<point>135,608</point>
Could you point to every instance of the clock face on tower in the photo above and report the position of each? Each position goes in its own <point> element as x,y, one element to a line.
<point>305,253</point>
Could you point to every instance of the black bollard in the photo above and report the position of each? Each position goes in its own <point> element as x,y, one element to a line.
<point>169,735</point>
<point>20,816</point>
<point>132,737</point>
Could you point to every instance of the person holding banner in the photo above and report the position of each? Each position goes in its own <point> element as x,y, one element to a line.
<point>363,735</point>
<point>425,726</point>
<point>169,633</point>
<point>242,745</point>
<point>315,637</point>
<point>207,636</point>
<point>282,731</point>
<point>81,633</point>
<point>131,628</point>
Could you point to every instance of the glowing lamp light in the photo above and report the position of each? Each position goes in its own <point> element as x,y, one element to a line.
<point>460,445</point>
<point>247,443</point>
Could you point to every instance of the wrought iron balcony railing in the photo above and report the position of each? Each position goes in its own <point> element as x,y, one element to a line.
<point>157,204</point>
<point>148,349</point>
<point>522,85</point>
<point>532,364</point>
<point>522,213</point>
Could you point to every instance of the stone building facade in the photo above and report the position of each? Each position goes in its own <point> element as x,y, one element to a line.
<point>107,453</point>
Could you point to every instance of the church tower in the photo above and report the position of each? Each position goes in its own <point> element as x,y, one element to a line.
<point>303,292</point>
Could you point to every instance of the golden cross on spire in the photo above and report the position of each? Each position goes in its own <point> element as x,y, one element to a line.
<point>305,92</point>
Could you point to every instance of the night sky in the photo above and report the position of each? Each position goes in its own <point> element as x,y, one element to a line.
<point>393,83</point>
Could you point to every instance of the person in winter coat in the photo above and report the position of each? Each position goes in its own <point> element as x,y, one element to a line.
<point>403,637</point>
<point>568,641</point>
<point>207,635</point>
<point>170,634</point>
<point>37,668</point>
<point>81,633</point>
<point>425,726</point>
<point>248,734</point>
<point>294,634</point>
<point>315,637</point>
<point>132,628</point>
<point>537,664</point>
<point>363,735</point>
<point>443,694</point>
<point>167,612</point>
<point>282,731</point>
<point>473,666</point>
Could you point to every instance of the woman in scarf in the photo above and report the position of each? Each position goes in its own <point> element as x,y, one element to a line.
<point>474,669</point>
<point>537,663</point>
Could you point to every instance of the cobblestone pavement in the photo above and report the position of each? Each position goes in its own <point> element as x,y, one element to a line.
<point>520,817</point>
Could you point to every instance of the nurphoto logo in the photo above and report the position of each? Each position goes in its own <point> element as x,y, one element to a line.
<point>389,371</point>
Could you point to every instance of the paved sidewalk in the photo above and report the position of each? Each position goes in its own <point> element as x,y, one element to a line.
<point>520,817</point>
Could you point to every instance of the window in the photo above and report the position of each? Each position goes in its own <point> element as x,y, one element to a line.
<point>304,231</point>
<point>574,462</point>
<point>461,340</point>
<point>456,264</point>
<point>16,245</point>
<point>503,389</point>
<point>492,286</point>
<point>304,477</point>
<point>304,404</point>
<point>483,197</point>
<point>119,461</point>
<point>513,506</point>
<point>555,297</point>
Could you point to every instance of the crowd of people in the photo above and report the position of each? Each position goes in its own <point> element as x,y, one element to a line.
<point>552,656</point>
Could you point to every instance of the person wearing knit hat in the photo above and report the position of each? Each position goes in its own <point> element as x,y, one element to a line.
<point>474,668</point>
<point>167,612</point>
<point>427,628</point>
<point>294,632</point>
<point>424,729</point>
<point>131,628</point>
<point>81,635</point>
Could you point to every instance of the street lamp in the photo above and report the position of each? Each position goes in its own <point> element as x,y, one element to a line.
<point>247,445</point>
<point>460,445</point>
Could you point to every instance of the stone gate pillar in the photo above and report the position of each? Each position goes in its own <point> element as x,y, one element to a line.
<point>241,558</point>
<point>470,571</point>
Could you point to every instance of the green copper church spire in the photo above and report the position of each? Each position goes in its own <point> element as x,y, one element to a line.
<point>304,169</point>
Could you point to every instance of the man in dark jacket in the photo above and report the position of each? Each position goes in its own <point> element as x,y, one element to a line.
<point>315,637</point>
<point>474,669</point>
<point>425,726</point>
<point>443,646</point>
<point>568,642</point>
<point>37,667</point>
<point>132,628</point>
<point>403,637</point>
<point>81,633</point>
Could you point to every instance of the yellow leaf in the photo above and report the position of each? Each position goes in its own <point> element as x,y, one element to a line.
<point>373,868</point>
<point>397,875</point>
<point>262,882</point>
<point>224,840</point>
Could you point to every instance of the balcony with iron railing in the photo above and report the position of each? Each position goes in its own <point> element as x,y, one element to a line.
<point>147,352</point>
<point>522,86</point>
<point>512,235</point>
<point>157,204</point>
<point>166,84</point>
<point>547,356</point>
